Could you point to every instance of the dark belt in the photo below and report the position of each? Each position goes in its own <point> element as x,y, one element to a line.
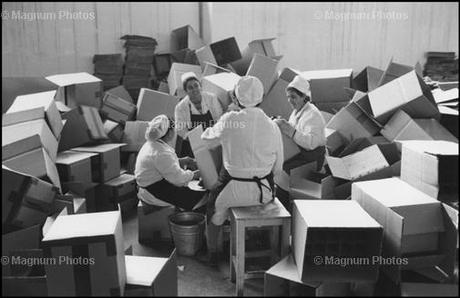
<point>258,180</point>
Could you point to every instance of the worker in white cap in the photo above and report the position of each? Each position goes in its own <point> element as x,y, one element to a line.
<point>252,151</point>
<point>197,107</point>
<point>306,126</point>
<point>159,172</point>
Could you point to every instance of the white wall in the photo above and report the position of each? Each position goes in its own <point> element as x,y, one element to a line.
<point>309,41</point>
<point>45,46</point>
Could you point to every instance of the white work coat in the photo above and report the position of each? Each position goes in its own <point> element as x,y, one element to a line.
<point>251,146</point>
<point>310,127</point>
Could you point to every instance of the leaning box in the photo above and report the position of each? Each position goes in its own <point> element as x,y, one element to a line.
<point>325,232</point>
<point>122,190</point>
<point>89,254</point>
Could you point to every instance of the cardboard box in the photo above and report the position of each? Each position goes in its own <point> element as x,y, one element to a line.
<point>139,54</point>
<point>263,68</point>
<point>185,56</point>
<point>408,92</point>
<point>35,163</point>
<point>162,64</point>
<point>221,84</point>
<point>122,190</point>
<point>114,130</point>
<point>328,85</point>
<point>314,186</point>
<point>92,236</point>
<point>331,107</point>
<point>134,135</point>
<point>84,125</point>
<point>449,119</point>
<point>290,148</point>
<point>275,103</point>
<point>204,54</point>
<point>174,77</point>
<point>185,37</point>
<point>25,286</point>
<point>163,87</point>
<point>368,79</point>
<point>259,46</point>
<point>431,167</point>
<point>226,51</point>
<point>425,241</point>
<point>415,289</point>
<point>26,200</point>
<point>78,89</point>
<point>283,280</point>
<point>152,103</point>
<point>106,163</point>
<point>121,92</point>
<point>361,143</point>
<point>117,109</point>
<point>153,223</point>
<point>33,107</point>
<point>92,192</point>
<point>151,276</point>
<point>394,71</point>
<point>335,142</point>
<point>24,137</point>
<point>72,203</point>
<point>334,229</point>
<point>205,160</point>
<point>352,123</point>
<point>402,127</point>
<point>74,166</point>
<point>447,96</point>
<point>210,69</point>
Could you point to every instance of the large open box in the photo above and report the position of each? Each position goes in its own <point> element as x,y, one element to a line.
<point>153,103</point>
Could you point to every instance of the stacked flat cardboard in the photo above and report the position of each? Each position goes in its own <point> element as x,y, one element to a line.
<point>328,85</point>
<point>106,163</point>
<point>275,103</point>
<point>334,228</point>
<point>425,241</point>
<point>402,127</point>
<point>153,223</point>
<point>32,107</point>
<point>151,276</point>
<point>117,109</point>
<point>205,160</point>
<point>152,103</point>
<point>441,66</point>
<point>134,83</point>
<point>407,92</point>
<point>221,84</point>
<point>226,51</point>
<point>204,54</point>
<point>109,68</point>
<point>74,166</point>
<point>122,190</point>
<point>368,79</point>
<point>263,68</point>
<point>26,200</point>
<point>24,137</point>
<point>77,89</point>
<point>84,125</point>
<point>174,77</point>
<point>92,235</point>
<point>431,167</point>
<point>35,163</point>
<point>134,135</point>
<point>113,130</point>
<point>260,46</point>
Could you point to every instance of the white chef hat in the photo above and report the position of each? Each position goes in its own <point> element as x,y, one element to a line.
<point>187,76</point>
<point>157,128</point>
<point>249,91</point>
<point>301,84</point>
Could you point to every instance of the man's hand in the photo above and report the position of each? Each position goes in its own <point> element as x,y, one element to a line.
<point>188,162</point>
<point>285,127</point>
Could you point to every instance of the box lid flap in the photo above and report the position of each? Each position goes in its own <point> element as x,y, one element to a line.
<point>63,80</point>
<point>327,74</point>
<point>143,271</point>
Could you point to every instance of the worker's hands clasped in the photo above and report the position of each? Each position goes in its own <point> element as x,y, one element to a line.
<point>285,127</point>
<point>188,163</point>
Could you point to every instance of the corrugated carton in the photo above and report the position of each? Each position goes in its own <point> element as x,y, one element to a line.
<point>134,135</point>
<point>151,276</point>
<point>153,223</point>
<point>122,190</point>
<point>328,85</point>
<point>259,46</point>
<point>74,166</point>
<point>174,77</point>
<point>185,37</point>
<point>33,107</point>
<point>226,51</point>
<point>152,103</point>
<point>368,79</point>
<point>204,54</point>
<point>114,130</point>
<point>97,240</point>
<point>335,141</point>
<point>117,109</point>
<point>361,143</point>
<point>221,84</point>
<point>23,137</point>
<point>393,71</point>
<point>263,68</point>
<point>162,64</point>
<point>78,89</point>
<point>332,230</point>
<point>121,92</point>
<point>210,69</point>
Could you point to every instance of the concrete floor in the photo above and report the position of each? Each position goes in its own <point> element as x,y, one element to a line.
<point>195,277</point>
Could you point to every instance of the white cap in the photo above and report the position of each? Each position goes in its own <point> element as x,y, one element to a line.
<point>300,83</point>
<point>188,75</point>
<point>157,128</point>
<point>249,91</point>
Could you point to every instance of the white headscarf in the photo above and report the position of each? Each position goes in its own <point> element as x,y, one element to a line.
<point>301,84</point>
<point>157,128</point>
<point>249,91</point>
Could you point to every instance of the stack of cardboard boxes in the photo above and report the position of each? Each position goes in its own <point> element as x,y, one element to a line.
<point>441,66</point>
<point>109,68</point>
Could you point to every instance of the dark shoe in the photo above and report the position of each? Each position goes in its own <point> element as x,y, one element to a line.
<point>213,259</point>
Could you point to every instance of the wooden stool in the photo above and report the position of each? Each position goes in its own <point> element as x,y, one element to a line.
<point>272,215</point>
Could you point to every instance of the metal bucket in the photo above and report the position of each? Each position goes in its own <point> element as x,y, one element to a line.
<point>187,230</point>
